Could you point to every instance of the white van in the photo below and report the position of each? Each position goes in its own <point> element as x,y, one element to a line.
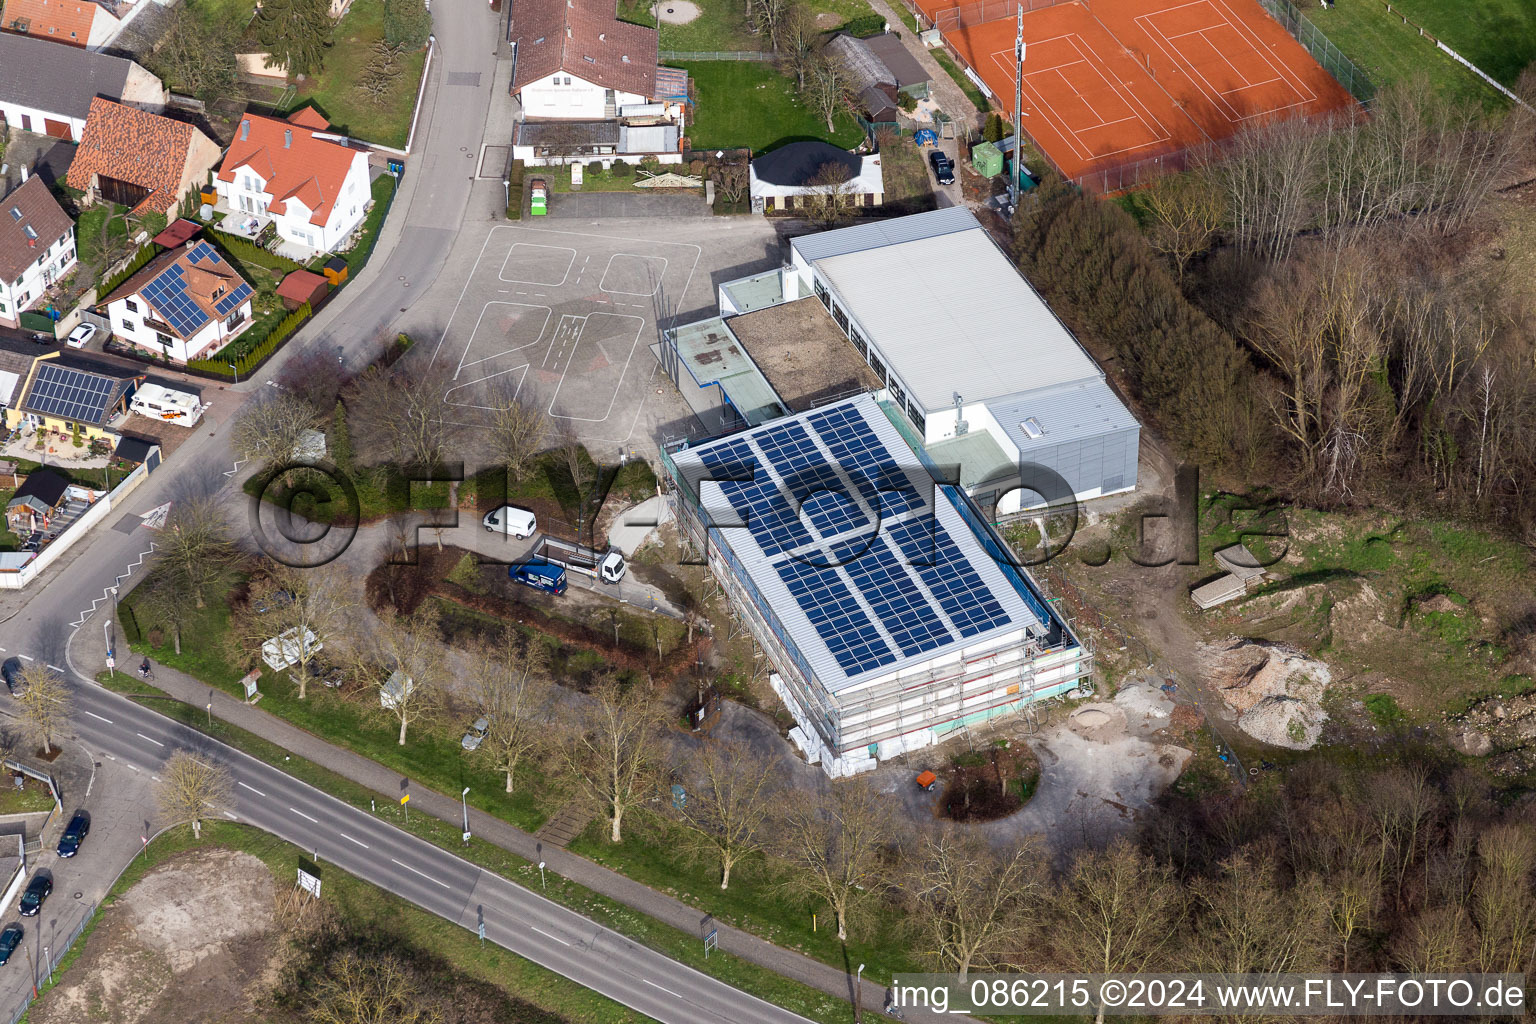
<point>511,520</point>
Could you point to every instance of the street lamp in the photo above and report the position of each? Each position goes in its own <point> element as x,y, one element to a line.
<point>106,632</point>
<point>858,1001</point>
<point>464,797</point>
<point>542,884</point>
<point>236,370</point>
<point>49,960</point>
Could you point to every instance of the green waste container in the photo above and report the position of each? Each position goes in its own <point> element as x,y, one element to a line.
<point>987,160</point>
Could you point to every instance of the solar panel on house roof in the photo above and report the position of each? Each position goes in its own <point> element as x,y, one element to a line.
<point>70,394</point>
<point>854,445</point>
<point>229,303</point>
<point>932,552</point>
<point>832,610</point>
<point>897,601</point>
<point>168,294</point>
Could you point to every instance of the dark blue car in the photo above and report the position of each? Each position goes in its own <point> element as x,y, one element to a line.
<point>9,940</point>
<point>74,834</point>
<point>37,890</point>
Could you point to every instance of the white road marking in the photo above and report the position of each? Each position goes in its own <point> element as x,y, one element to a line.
<point>26,657</point>
<point>253,789</point>
<point>668,991</point>
<point>154,741</point>
<point>306,817</point>
<point>423,874</point>
<point>349,839</point>
<point>133,766</point>
<point>231,817</point>
<point>549,936</point>
<point>112,757</point>
<point>99,718</point>
<point>56,669</point>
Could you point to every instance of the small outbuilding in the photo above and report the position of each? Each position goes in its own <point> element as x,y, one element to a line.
<point>301,286</point>
<point>36,502</point>
<point>335,270</point>
<point>792,176</point>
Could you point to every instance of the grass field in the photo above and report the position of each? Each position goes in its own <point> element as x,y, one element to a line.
<point>1389,51</point>
<point>967,86</point>
<point>333,91</point>
<point>723,24</point>
<point>1498,36</point>
<point>743,103</point>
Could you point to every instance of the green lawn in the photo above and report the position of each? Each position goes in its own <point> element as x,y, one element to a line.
<point>1388,51</point>
<point>368,908</point>
<point>333,91</point>
<point>724,25</point>
<point>967,86</point>
<point>33,798</point>
<point>742,103</point>
<point>1498,36</point>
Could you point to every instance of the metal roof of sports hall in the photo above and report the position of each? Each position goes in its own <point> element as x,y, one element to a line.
<point>949,310</point>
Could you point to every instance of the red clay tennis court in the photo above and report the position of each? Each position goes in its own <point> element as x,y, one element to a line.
<point>1113,87</point>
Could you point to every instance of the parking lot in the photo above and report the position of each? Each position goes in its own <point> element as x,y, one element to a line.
<point>565,318</point>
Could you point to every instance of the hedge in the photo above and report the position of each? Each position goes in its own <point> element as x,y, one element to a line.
<point>864,26</point>
<point>255,354</point>
<point>515,191</point>
<point>250,252</point>
<point>143,256</point>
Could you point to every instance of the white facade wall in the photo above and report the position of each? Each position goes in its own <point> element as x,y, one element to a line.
<point>54,259</point>
<point>568,97</point>
<point>32,119</point>
<point>248,194</point>
<point>127,316</point>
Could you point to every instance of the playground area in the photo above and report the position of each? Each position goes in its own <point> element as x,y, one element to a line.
<point>1118,91</point>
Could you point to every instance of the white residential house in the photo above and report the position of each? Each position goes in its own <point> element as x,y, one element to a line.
<point>37,247</point>
<point>185,304</point>
<point>312,184</point>
<point>574,60</point>
<point>48,89</point>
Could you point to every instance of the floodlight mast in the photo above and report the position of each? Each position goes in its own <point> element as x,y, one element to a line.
<point>1015,179</point>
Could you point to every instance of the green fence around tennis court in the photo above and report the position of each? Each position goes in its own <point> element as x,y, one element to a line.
<point>1321,48</point>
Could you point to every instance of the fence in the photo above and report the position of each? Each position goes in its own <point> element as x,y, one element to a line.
<point>1321,48</point>
<point>19,578</point>
<point>56,956</point>
<point>687,55</point>
<point>985,11</point>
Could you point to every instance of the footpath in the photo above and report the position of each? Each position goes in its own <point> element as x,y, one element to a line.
<point>599,879</point>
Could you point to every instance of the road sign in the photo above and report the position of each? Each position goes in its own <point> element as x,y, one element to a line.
<point>309,883</point>
<point>406,798</point>
<point>111,663</point>
<point>155,518</point>
<point>711,941</point>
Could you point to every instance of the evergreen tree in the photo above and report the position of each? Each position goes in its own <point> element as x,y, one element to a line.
<point>406,23</point>
<point>296,33</point>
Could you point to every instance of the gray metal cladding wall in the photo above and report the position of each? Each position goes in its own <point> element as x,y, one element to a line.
<point>1105,461</point>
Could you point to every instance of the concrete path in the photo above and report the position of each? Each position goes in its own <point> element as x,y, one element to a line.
<point>951,98</point>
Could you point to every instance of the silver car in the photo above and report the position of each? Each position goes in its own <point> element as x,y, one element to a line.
<point>476,734</point>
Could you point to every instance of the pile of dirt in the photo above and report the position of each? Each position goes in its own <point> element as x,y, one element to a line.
<point>1275,690</point>
<point>1098,722</point>
<point>192,941</point>
<point>1506,724</point>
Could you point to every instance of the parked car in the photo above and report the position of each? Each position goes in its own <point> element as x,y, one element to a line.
<point>74,834</point>
<point>272,601</point>
<point>37,891</point>
<point>943,167</point>
<point>476,734</point>
<point>325,674</point>
<point>9,940</point>
<point>511,520</point>
<point>81,336</point>
<point>12,672</point>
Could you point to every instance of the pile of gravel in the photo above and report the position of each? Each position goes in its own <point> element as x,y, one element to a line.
<point>1284,722</point>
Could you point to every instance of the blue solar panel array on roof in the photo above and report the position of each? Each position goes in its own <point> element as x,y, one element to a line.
<point>867,594</point>
<point>168,293</point>
<point>70,394</point>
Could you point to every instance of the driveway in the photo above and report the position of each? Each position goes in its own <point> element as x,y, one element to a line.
<point>603,205</point>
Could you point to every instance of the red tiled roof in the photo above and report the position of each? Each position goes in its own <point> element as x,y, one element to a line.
<point>64,21</point>
<point>177,232</point>
<point>583,38</point>
<point>293,163</point>
<point>135,146</point>
<point>301,286</point>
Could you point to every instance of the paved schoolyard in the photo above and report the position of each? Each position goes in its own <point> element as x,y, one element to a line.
<point>564,316</point>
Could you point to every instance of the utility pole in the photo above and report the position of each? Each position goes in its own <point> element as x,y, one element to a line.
<point>1016,178</point>
<point>858,1001</point>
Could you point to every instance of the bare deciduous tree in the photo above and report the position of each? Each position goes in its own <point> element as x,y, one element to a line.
<point>829,87</point>
<point>1503,899</point>
<point>270,427</point>
<point>512,690</point>
<point>1186,212</point>
<point>835,842</point>
<point>195,548</point>
<point>1250,923</point>
<point>161,599</point>
<point>191,789</point>
<point>401,413</point>
<point>516,433</point>
<point>45,702</point>
<point>1116,912</point>
<point>402,659</point>
<point>373,989</point>
<point>613,752</point>
<point>732,181</point>
<point>974,900</point>
<point>769,17</point>
<point>727,803</point>
<point>308,600</point>
<point>829,196</point>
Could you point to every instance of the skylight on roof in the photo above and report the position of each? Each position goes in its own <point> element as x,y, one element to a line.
<point>15,213</point>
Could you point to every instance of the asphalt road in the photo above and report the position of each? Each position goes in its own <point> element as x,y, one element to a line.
<point>433,879</point>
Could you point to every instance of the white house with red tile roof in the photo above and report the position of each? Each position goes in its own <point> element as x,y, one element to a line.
<point>573,60</point>
<point>186,303</point>
<point>309,182</point>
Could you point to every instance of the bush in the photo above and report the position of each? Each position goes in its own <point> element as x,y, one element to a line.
<point>696,167</point>
<point>341,437</point>
<point>515,191</point>
<point>905,101</point>
<point>595,168</point>
<point>993,132</point>
<point>864,26</point>
<point>621,169</point>
<point>466,573</point>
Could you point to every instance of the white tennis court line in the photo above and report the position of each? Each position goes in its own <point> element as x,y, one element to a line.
<point>1219,97</point>
<point>1157,133</point>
